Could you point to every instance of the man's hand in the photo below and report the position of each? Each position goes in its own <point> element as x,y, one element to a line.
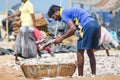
<point>58,40</point>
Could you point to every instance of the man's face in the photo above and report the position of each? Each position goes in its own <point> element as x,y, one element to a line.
<point>56,16</point>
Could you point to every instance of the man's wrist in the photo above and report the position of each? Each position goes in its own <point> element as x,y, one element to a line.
<point>62,38</point>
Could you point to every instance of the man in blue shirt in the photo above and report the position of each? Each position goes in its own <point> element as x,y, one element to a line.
<point>87,27</point>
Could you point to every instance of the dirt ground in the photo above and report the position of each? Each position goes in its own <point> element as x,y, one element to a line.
<point>9,73</point>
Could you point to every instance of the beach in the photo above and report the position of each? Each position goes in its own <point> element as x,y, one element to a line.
<point>108,68</point>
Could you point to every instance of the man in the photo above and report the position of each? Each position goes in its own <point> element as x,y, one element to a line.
<point>25,41</point>
<point>106,38</point>
<point>80,20</point>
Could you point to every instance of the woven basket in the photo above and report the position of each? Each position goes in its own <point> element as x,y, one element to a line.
<point>40,21</point>
<point>48,70</point>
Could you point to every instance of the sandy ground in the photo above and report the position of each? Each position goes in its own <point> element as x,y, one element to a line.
<point>10,73</point>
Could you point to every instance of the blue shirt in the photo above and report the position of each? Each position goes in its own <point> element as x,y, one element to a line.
<point>78,16</point>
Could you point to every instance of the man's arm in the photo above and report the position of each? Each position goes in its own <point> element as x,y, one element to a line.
<point>70,32</point>
<point>13,15</point>
<point>33,18</point>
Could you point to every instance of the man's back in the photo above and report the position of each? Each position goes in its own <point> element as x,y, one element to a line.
<point>26,11</point>
<point>82,16</point>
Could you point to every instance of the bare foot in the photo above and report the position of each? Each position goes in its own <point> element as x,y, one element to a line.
<point>17,62</point>
<point>16,57</point>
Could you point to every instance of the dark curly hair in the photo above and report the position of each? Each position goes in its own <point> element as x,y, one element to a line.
<point>53,9</point>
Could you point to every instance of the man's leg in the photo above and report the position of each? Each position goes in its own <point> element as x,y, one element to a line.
<point>107,52</point>
<point>92,61</point>
<point>80,59</point>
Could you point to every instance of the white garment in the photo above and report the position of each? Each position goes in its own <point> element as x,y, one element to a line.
<point>106,38</point>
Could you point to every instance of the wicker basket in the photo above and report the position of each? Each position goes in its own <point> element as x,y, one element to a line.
<point>48,70</point>
<point>40,21</point>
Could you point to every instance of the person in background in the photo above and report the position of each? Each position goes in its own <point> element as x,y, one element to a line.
<point>41,35</point>
<point>81,21</point>
<point>25,41</point>
<point>106,38</point>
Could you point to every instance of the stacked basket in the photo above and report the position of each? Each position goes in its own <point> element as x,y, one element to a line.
<point>17,25</point>
<point>41,24</point>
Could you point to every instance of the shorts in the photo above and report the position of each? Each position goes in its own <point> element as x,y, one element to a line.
<point>90,36</point>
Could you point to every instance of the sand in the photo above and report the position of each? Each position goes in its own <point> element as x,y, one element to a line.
<point>10,72</point>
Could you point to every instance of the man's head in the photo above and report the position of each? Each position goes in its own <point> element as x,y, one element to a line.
<point>54,12</point>
<point>23,1</point>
